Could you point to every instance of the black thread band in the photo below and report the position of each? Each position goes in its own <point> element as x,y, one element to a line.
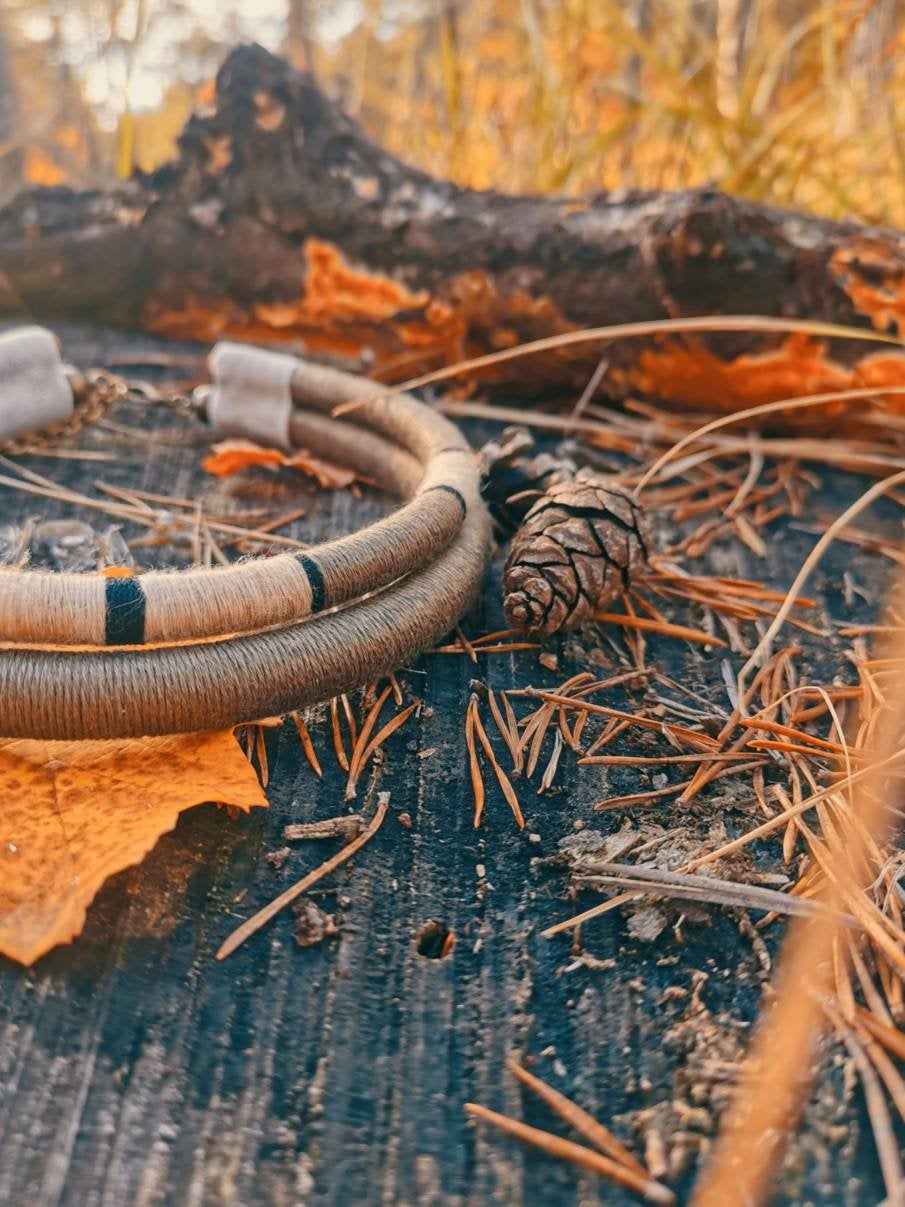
<point>315,579</point>
<point>456,494</point>
<point>125,614</point>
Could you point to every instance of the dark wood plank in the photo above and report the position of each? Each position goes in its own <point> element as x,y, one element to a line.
<point>137,1070</point>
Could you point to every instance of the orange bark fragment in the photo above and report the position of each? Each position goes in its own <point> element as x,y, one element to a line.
<point>231,456</point>
<point>74,813</point>
<point>689,374</point>
<point>344,311</point>
<point>874,280</point>
<point>335,292</point>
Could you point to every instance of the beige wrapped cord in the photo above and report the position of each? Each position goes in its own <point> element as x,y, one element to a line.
<point>212,684</point>
<point>427,460</point>
<point>126,693</point>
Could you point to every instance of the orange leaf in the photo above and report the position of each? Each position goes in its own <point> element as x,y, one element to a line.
<point>231,456</point>
<point>327,475</point>
<point>73,813</point>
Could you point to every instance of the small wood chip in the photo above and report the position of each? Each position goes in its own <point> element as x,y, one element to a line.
<point>262,917</point>
<point>348,826</point>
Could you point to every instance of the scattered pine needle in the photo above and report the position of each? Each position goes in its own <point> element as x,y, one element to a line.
<point>339,747</point>
<point>586,1125</point>
<point>780,1065</point>
<point>787,731</point>
<point>261,751</point>
<point>549,775</point>
<point>502,778</point>
<point>691,736</point>
<point>263,916</point>
<point>307,745</point>
<point>767,408</point>
<point>733,322</point>
<point>466,644</point>
<point>350,717</point>
<point>503,647</point>
<point>508,729</point>
<point>807,567</point>
<point>474,767</point>
<point>577,1154</point>
<point>640,798</point>
<point>355,762</point>
<point>375,743</point>
<point>659,882</point>
<point>664,628</point>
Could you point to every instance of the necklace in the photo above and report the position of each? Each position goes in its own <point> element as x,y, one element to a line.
<point>175,651</point>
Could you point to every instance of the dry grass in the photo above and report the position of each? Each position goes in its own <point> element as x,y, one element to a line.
<point>781,101</point>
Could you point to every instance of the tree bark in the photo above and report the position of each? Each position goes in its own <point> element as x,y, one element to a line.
<point>280,221</point>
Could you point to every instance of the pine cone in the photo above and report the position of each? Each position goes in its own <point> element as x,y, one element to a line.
<point>515,475</point>
<point>576,551</point>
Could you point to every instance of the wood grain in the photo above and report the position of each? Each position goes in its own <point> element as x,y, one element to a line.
<point>135,1069</point>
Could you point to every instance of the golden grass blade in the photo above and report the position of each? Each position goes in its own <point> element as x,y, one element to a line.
<point>729,322</point>
<point>766,408</point>
<point>778,1070</point>
<point>808,565</point>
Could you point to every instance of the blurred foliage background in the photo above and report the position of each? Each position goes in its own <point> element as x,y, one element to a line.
<point>784,101</point>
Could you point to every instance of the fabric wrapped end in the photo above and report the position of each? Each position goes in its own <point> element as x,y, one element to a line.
<point>35,392</point>
<point>251,394</point>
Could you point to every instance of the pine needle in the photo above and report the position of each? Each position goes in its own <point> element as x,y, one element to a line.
<point>307,744</point>
<point>664,628</point>
<point>577,1154</point>
<point>734,322</point>
<point>375,743</point>
<point>339,747</point>
<point>367,728</point>
<point>508,729</point>
<point>502,778</point>
<point>586,1125</point>
<point>263,916</point>
<point>474,767</point>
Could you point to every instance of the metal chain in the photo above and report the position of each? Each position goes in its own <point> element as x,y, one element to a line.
<point>96,393</point>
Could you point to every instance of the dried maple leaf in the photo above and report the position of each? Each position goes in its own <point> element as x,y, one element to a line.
<point>231,456</point>
<point>73,813</point>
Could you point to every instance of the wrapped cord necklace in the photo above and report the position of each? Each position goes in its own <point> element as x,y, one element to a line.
<point>175,651</point>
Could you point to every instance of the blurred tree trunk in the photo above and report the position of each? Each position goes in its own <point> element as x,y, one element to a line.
<point>281,221</point>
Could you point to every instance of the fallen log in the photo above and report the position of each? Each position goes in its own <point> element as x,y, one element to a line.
<point>281,221</point>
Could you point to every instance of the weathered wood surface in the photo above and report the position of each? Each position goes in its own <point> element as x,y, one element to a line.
<point>137,1070</point>
<point>281,220</point>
